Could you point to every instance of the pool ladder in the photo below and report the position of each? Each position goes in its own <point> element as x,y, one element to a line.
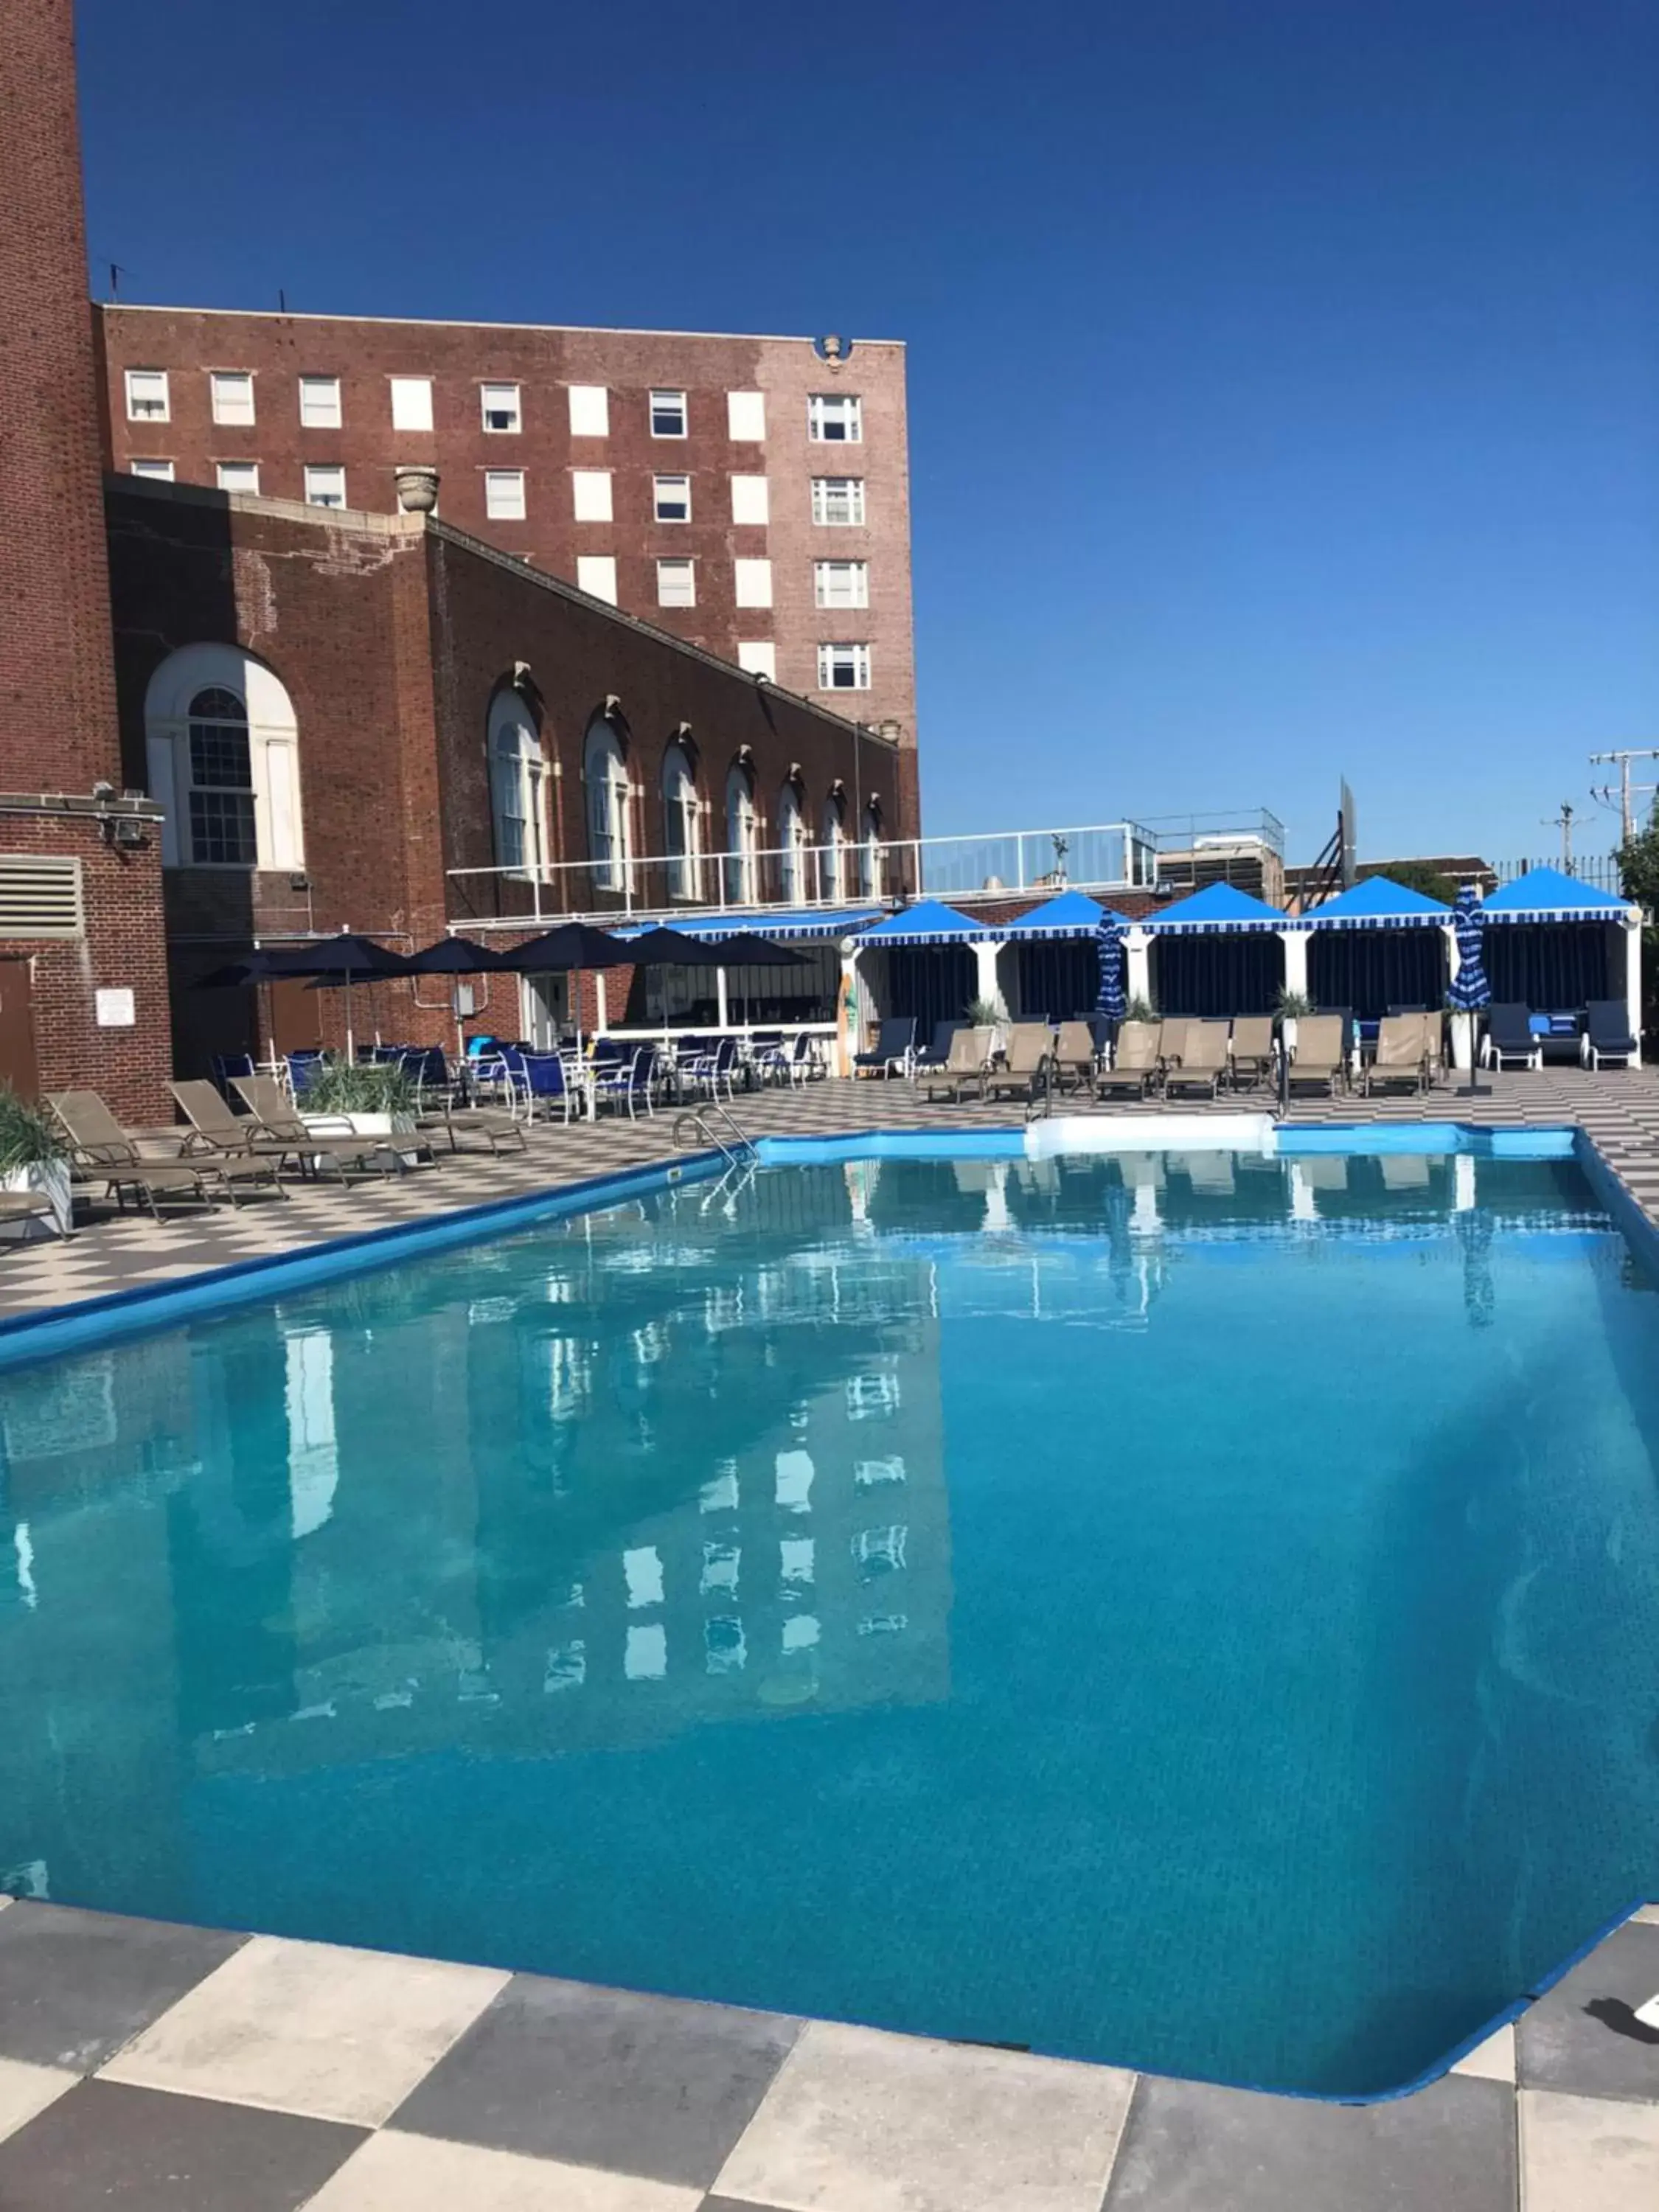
<point>697,1119</point>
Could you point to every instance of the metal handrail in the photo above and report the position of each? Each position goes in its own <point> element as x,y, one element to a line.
<point>697,1117</point>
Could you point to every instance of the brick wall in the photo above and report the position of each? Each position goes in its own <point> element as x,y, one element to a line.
<point>277,349</point>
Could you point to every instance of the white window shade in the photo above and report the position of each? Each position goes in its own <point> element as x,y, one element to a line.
<point>590,495</point>
<point>746,417</point>
<point>158,472</point>
<point>319,403</point>
<point>753,582</point>
<point>411,403</point>
<point>759,656</point>
<point>239,476</point>
<point>590,411</point>
<point>148,399</point>
<point>751,502</point>
<point>671,499</point>
<point>596,572</point>
<point>232,393</point>
<point>841,583</point>
<point>838,499</point>
<point>326,485</point>
<point>504,495</point>
<point>499,406</point>
<point>677,584</point>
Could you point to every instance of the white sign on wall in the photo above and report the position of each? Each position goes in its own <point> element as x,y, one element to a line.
<point>116,1009</point>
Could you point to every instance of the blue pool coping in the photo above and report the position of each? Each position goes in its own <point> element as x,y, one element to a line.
<point>29,1339</point>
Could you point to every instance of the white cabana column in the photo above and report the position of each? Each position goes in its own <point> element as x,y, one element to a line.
<point>988,983</point>
<point>1462,1025</point>
<point>1138,964</point>
<point>1633,977</point>
<point>1295,942</point>
<point>849,995</point>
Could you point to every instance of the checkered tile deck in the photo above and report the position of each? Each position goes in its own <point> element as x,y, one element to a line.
<point>113,1253</point>
<point>157,2066</point>
<point>181,2067</point>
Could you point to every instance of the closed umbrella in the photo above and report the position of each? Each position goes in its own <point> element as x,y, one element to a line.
<point>1469,990</point>
<point>1109,1001</point>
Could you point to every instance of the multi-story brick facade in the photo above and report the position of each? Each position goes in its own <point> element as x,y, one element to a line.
<point>749,495</point>
<point>80,909</point>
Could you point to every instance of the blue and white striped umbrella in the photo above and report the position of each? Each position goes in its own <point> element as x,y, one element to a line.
<point>1469,987</point>
<point>1109,946</point>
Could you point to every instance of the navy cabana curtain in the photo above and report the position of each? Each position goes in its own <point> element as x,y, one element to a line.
<point>934,982</point>
<point>1369,971</point>
<point>1553,967</point>
<point>1057,976</point>
<point>1216,975</point>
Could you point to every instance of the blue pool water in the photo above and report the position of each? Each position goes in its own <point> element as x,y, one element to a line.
<point>1201,1614</point>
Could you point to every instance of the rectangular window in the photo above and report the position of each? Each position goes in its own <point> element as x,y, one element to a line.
<point>411,403</point>
<point>239,476</point>
<point>677,584</point>
<point>841,583</point>
<point>324,485</point>
<point>222,832</point>
<point>671,498</point>
<point>319,403</point>
<point>843,668</point>
<point>746,417</point>
<point>668,414</point>
<point>231,394</point>
<point>504,495</point>
<point>596,572</point>
<point>760,656</point>
<point>836,418</point>
<point>160,471</point>
<point>590,495</point>
<point>838,499</point>
<point>590,411</point>
<point>147,396</point>
<point>499,406</point>
<point>754,583</point>
<point>750,500</point>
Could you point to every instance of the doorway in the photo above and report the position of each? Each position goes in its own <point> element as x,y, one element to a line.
<point>544,1010</point>
<point>18,1066</point>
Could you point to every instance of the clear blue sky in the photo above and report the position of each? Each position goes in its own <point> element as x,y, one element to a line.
<point>1283,377</point>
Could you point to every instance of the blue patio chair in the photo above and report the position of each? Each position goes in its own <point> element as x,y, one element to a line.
<point>627,1080</point>
<point>303,1068</point>
<point>225,1065</point>
<point>713,1069</point>
<point>896,1041</point>
<point>1607,1033</point>
<point>545,1079</point>
<point>1511,1037</point>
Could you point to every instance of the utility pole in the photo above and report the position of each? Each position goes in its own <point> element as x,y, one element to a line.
<point>1563,822</point>
<point>1626,789</point>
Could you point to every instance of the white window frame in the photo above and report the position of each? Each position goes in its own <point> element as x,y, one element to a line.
<point>590,495</point>
<point>751,583</point>
<point>320,404</point>
<point>250,468</point>
<point>681,576</point>
<point>791,847</point>
<point>832,855</point>
<point>742,838</point>
<point>682,824</point>
<point>841,583</point>
<point>157,406</point>
<point>610,839</point>
<point>518,787</point>
<point>667,402</point>
<point>758,656</point>
<point>752,500</point>
<point>682,497</point>
<point>316,468</point>
<point>596,574</point>
<point>858,660</point>
<point>590,411</point>
<point>273,744</point>
<point>824,409</point>
<point>411,403</point>
<point>491,403</point>
<point>870,871</point>
<point>504,495</point>
<point>230,395</point>
<point>745,417</point>
<point>850,487</point>
<point>152,471</point>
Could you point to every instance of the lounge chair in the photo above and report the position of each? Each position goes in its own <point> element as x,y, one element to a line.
<point>937,1051</point>
<point>28,1206</point>
<point>1511,1037</point>
<point>1031,1047</point>
<point>1136,1065</point>
<point>102,1152</point>
<point>1252,1049</point>
<point>214,1128</point>
<point>968,1060</point>
<point>1171,1040</point>
<point>1320,1055</point>
<point>313,1148</point>
<point>1402,1056</point>
<point>1203,1060</point>
<point>1607,1033</point>
<point>1434,1044</point>
<point>1074,1056</point>
<point>895,1044</point>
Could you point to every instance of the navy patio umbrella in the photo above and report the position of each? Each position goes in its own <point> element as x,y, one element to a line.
<point>574,946</point>
<point>454,955</point>
<point>1109,1001</point>
<point>1469,990</point>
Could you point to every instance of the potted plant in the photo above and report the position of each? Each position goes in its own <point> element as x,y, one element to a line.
<point>1290,1007</point>
<point>371,1099</point>
<point>1140,1009</point>
<point>990,1014</point>
<point>34,1158</point>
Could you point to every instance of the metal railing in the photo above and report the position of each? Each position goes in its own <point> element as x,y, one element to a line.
<point>1599,870</point>
<point>697,1118</point>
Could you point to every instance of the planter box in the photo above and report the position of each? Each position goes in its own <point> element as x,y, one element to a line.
<point>50,1179</point>
<point>386,1127</point>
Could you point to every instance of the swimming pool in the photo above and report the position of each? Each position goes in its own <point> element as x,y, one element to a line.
<point>1197,1611</point>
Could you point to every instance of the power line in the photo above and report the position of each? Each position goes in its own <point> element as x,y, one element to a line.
<point>1627,791</point>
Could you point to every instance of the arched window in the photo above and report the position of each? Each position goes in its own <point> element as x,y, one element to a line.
<point>832,855</point>
<point>740,886</point>
<point>223,755</point>
<point>518,785</point>
<point>682,828</point>
<point>870,853</point>
<point>792,846</point>
<point>608,843</point>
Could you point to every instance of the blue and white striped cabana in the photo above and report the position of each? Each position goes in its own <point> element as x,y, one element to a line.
<point>1378,944</point>
<point>921,961</point>
<point>1216,953</point>
<point>1052,963</point>
<point>1554,944</point>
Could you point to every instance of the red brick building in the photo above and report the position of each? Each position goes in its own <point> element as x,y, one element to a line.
<point>749,495</point>
<point>82,971</point>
